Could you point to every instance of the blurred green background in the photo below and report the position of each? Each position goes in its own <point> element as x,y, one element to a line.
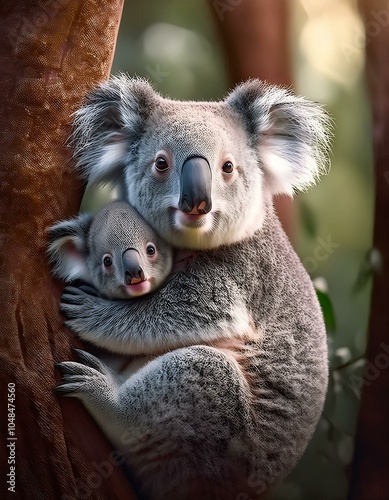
<point>174,44</point>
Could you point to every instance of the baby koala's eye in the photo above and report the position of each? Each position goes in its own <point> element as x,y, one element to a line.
<point>150,249</point>
<point>228,167</point>
<point>107,260</point>
<point>161,164</point>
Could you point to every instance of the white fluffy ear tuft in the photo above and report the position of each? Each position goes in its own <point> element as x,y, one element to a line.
<point>67,249</point>
<point>291,134</point>
<point>109,125</point>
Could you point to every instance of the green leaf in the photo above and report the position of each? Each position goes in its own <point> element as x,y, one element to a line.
<point>308,219</point>
<point>328,311</point>
<point>371,264</point>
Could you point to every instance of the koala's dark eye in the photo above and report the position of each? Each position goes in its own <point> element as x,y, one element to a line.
<point>228,167</point>
<point>161,164</point>
<point>107,261</point>
<point>150,249</point>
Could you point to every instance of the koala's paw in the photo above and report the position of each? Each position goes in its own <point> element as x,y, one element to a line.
<point>75,299</point>
<point>87,380</point>
<point>77,305</point>
<point>90,290</point>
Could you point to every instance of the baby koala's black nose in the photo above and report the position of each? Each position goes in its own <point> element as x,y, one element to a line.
<point>134,276</point>
<point>133,271</point>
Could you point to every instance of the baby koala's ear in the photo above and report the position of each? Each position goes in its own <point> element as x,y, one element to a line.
<point>67,249</point>
<point>109,125</point>
<point>291,134</point>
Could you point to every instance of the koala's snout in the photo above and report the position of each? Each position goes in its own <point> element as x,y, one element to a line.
<point>132,268</point>
<point>195,186</point>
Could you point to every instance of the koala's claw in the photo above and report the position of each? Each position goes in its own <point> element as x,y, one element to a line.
<point>67,389</point>
<point>84,378</point>
<point>73,378</point>
<point>88,359</point>
<point>72,295</point>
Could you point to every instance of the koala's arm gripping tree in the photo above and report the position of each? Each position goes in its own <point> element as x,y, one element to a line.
<point>51,54</point>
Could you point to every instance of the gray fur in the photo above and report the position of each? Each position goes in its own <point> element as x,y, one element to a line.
<point>239,377</point>
<point>77,248</point>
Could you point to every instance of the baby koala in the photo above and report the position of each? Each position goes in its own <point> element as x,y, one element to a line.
<point>115,250</point>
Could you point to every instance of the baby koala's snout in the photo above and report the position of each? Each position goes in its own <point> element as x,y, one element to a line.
<point>132,267</point>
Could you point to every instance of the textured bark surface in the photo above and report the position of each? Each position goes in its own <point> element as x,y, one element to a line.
<point>370,478</point>
<point>255,37</point>
<point>51,53</point>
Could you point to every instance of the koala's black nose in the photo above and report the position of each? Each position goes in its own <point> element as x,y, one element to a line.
<point>132,269</point>
<point>195,186</point>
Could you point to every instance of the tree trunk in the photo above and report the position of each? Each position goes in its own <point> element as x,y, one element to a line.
<point>52,52</point>
<point>370,478</point>
<point>254,35</point>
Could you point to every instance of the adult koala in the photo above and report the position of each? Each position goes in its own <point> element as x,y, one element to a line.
<point>237,385</point>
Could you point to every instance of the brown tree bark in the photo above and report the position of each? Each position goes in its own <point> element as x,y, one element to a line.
<point>370,478</point>
<point>52,52</point>
<point>254,36</point>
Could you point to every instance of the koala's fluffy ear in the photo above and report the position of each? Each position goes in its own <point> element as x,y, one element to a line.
<point>67,249</point>
<point>109,125</point>
<point>291,134</point>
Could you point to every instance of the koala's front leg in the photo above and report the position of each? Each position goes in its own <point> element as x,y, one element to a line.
<point>157,322</point>
<point>182,421</point>
<point>117,325</point>
<point>95,385</point>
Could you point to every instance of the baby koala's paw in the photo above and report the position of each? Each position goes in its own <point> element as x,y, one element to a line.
<point>88,380</point>
<point>77,302</point>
